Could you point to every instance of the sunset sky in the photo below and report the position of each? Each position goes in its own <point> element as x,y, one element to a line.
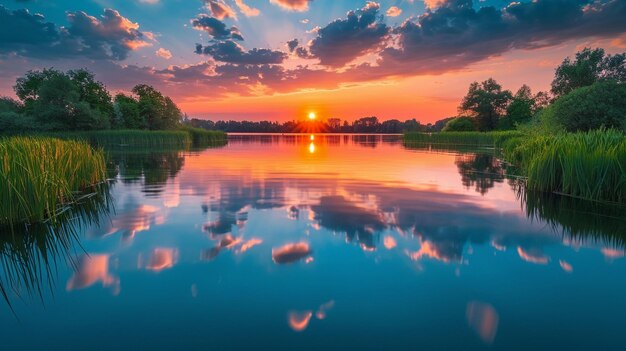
<point>281,59</point>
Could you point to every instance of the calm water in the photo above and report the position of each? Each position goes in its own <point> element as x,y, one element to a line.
<point>320,243</point>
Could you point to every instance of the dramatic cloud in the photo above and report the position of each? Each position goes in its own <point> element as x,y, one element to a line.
<point>344,40</point>
<point>164,53</point>
<point>456,34</point>
<point>230,52</point>
<point>111,36</point>
<point>394,11</point>
<point>293,5</point>
<point>216,28</point>
<point>219,9</point>
<point>247,10</point>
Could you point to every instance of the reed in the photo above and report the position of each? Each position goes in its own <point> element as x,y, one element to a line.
<point>203,137</point>
<point>38,176</point>
<point>131,138</point>
<point>491,139</point>
<point>589,165</point>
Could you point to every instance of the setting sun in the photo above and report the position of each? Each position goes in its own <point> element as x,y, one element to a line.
<point>312,115</point>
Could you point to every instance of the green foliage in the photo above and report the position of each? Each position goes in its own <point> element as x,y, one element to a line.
<point>159,111</point>
<point>460,124</point>
<point>202,137</point>
<point>127,113</point>
<point>590,66</point>
<point>588,165</point>
<point>39,175</point>
<point>490,139</point>
<point>486,102</point>
<point>131,138</point>
<point>602,104</point>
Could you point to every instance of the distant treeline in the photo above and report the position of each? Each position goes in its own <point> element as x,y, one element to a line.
<point>332,125</point>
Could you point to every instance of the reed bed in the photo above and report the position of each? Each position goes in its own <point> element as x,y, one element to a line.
<point>492,139</point>
<point>203,137</point>
<point>589,165</point>
<point>131,138</point>
<point>40,175</point>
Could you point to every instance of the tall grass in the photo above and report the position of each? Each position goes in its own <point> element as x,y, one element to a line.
<point>491,139</point>
<point>39,175</point>
<point>589,165</point>
<point>203,137</point>
<point>131,138</point>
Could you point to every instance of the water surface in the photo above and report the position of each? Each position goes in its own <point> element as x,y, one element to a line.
<point>328,242</point>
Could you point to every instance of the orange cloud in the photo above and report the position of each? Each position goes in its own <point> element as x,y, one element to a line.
<point>532,256</point>
<point>162,258</point>
<point>247,10</point>
<point>389,242</point>
<point>483,319</point>
<point>164,53</point>
<point>290,253</point>
<point>299,320</point>
<point>92,269</point>
<point>394,11</point>
<point>292,5</point>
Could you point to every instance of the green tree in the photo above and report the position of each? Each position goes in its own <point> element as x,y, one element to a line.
<point>486,102</point>
<point>460,124</point>
<point>92,91</point>
<point>589,66</point>
<point>127,113</point>
<point>157,110</point>
<point>602,104</point>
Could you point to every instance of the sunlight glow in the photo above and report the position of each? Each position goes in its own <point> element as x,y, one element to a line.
<point>312,115</point>
<point>312,148</point>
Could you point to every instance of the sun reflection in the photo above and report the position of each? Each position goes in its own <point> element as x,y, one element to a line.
<point>312,148</point>
<point>312,137</point>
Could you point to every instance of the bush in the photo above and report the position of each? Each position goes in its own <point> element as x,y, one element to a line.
<point>599,105</point>
<point>460,124</point>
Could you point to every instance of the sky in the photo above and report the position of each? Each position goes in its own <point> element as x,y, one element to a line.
<point>281,59</point>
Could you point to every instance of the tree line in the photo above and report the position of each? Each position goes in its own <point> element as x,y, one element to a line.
<point>332,125</point>
<point>586,93</point>
<point>52,100</point>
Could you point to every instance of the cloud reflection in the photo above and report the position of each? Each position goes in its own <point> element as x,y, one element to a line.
<point>483,319</point>
<point>291,253</point>
<point>90,270</point>
<point>299,320</point>
<point>162,258</point>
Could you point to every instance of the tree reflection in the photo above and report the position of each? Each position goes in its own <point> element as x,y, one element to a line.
<point>481,171</point>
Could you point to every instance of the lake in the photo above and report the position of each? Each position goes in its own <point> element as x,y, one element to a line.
<point>319,242</point>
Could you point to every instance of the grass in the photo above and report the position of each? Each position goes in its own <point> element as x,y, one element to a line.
<point>589,165</point>
<point>203,137</point>
<point>491,139</point>
<point>183,138</point>
<point>38,176</point>
<point>131,138</point>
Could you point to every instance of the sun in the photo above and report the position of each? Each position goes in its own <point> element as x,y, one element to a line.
<point>312,115</point>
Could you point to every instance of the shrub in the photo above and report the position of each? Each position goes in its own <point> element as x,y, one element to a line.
<point>460,124</point>
<point>602,104</point>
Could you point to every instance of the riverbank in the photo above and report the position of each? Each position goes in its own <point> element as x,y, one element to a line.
<point>39,175</point>
<point>587,165</point>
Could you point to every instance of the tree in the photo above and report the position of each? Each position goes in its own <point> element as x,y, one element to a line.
<point>157,110</point>
<point>590,66</point>
<point>486,102</point>
<point>127,113</point>
<point>460,124</point>
<point>602,104</point>
<point>92,91</point>
<point>523,107</point>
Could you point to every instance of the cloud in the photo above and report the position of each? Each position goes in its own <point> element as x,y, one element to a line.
<point>216,28</point>
<point>394,11</point>
<point>110,36</point>
<point>293,5</point>
<point>164,53</point>
<point>219,9</point>
<point>432,4</point>
<point>344,40</point>
<point>247,10</point>
<point>230,52</point>
<point>151,2</point>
